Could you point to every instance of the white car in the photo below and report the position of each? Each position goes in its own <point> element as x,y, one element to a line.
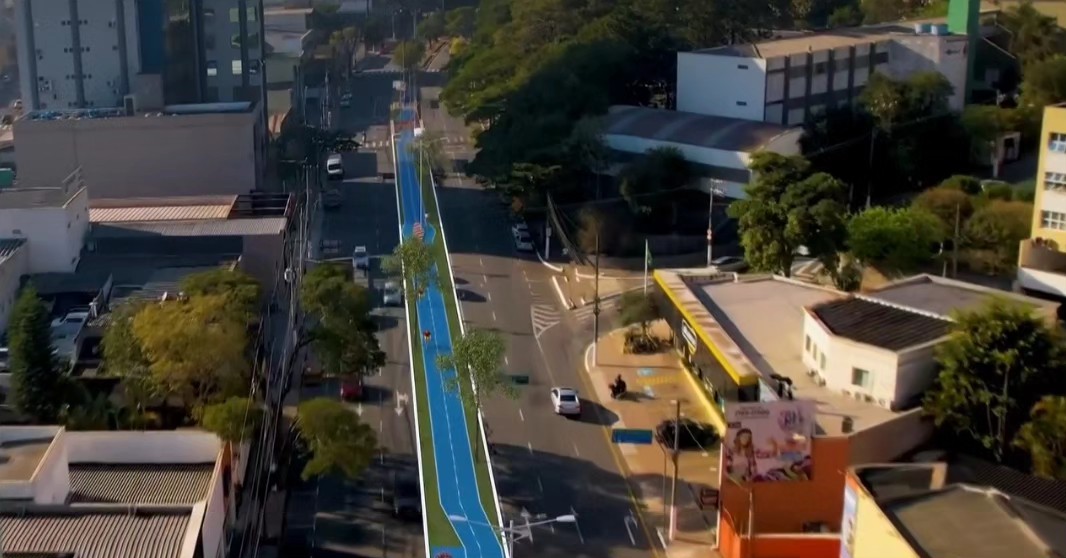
<point>727,264</point>
<point>361,258</point>
<point>335,166</point>
<point>520,228</point>
<point>392,294</point>
<point>523,241</point>
<point>565,401</point>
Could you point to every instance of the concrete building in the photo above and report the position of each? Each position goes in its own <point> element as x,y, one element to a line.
<point>918,510</point>
<point>115,494</point>
<point>13,256</point>
<point>180,150</point>
<point>786,80</point>
<point>719,148</point>
<point>89,53</point>
<point>1042,258</point>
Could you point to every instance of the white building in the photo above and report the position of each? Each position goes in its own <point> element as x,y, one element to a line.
<point>120,494</point>
<point>718,147</point>
<point>163,151</point>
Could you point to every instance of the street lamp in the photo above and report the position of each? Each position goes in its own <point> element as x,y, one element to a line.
<point>517,534</point>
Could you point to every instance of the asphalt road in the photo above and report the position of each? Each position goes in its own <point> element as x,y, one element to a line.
<point>544,464</point>
<point>354,518</point>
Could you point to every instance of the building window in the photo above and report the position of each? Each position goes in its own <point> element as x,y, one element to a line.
<point>1053,220</point>
<point>742,66</point>
<point>235,41</point>
<point>212,68</point>
<point>209,13</point>
<point>234,15</point>
<point>252,14</point>
<point>821,362</point>
<point>742,103</point>
<point>1057,143</point>
<point>236,67</point>
<point>1054,181</point>
<point>807,343</point>
<point>860,377</point>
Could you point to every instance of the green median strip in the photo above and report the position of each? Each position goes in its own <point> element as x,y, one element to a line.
<point>440,256</point>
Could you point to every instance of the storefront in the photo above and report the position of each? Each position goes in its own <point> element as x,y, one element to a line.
<point>700,357</point>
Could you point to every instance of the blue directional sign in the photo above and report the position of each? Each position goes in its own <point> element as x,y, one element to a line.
<point>631,436</point>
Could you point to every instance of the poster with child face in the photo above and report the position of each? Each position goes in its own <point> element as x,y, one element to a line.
<point>769,441</point>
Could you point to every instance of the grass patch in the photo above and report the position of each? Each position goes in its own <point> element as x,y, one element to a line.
<point>440,256</point>
<point>438,527</point>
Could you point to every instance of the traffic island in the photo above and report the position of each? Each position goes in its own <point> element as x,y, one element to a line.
<point>655,384</point>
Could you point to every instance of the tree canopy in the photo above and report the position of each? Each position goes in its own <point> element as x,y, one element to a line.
<point>637,308</point>
<point>476,366</point>
<point>339,443</point>
<point>999,362</point>
<point>993,234</point>
<point>342,332</point>
<point>461,22</point>
<point>898,239</point>
<point>409,54</point>
<point>948,205</point>
<point>432,27</point>
<point>789,205</point>
<point>412,260</point>
<point>233,419</point>
<point>236,286</point>
<point>36,379</point>
<point>1043,438</point>
<point>660,169</point>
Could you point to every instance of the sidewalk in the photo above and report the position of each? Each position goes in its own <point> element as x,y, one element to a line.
<point>655,382</point>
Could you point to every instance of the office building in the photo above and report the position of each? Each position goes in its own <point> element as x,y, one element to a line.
<point>94,53</point>
<point>1042,257</point>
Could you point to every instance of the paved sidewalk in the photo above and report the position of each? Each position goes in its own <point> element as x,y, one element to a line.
<point>655,382</point>
<point>580,290</point>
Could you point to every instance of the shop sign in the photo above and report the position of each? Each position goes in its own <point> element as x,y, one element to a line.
<point>689,335</point>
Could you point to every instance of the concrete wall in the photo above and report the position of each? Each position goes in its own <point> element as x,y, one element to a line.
<point>720,85</point>
<point>182,446</point>
<point>912,54</point>
<point>54,235</point>
<point>263,257</point>
<point>874,535</point>
<point>11,270</point>
<point>214,518</point>
<point>196,154</point>
<point>889,440</point>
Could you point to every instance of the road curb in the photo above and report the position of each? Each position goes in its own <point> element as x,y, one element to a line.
<point>555,268</point>
<point>569,304</point>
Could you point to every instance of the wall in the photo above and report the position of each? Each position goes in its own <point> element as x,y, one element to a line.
<point>54,235</point>
<point>263,257</point>
<point>720,85</point>
<point>916,370</point>
<point>911,54</point>
<point>1050,161</point>
<point>11,270</point>
<point>887,441</point>
<point>214,518</point>
<point>140,156</point>
<point>51,482</point>
<point>777,546</point>
<point>874,534</point>
<point>183,446</point>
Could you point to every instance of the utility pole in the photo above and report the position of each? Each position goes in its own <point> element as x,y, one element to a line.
<point>673,485</point>
<point>955,243</point>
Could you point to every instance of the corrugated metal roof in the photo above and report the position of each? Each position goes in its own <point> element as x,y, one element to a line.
<point>222,227</point>
<point>8,247</point>
<point>119,534</point>
<point>139,484</point>
<point>158,213</point>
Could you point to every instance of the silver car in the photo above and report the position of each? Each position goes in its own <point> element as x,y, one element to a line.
<point>392,294</point>
<point>361,258</point>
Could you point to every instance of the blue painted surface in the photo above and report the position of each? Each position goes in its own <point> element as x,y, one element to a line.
<point>631,436</point>
<point>645,372</point>
<point>452,450</point>
<point>447,552</point>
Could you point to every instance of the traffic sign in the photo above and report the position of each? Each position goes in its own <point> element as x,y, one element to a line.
<point>631,436</point>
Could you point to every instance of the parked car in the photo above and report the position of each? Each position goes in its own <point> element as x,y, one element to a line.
<point>351,390</point>
<point>335,166</point>
<point>729,264</point>
<point>393,294</point>
<point>406,499</point>
<point>523,242</point>
<point>361,258</point>
<point>565,401</point>
<point>346,100</point>
<point>694,435</point>
<point>520,228</point>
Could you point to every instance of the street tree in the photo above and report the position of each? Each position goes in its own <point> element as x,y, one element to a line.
<point>461,22</point>
<point>993,234</point>
<point>432,27</point>
<point>409,54</point>
<point>660,170</point>
<point>413,261</point>
<point>948,205</point>
<point>1043,438</point>
<point>338,442</point>
<point>1044,83</point>
<point>788,206</point>
<point>36,379</point>
<point>963,183</point>
<point>1034,37</point>
<point>476,369</point>
<point>342,330</point>
<point>327,289</point>
<point>237,286</point>
<point>897,239</point>
<point>124,358</point>
<point>985,125</point>
<point>997,364</point>
<point>232,420</point>
<point>428,150</point>
<point>196,348</point>
<point>636,308</point>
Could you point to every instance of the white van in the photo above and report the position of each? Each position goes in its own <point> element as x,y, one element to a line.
<point>335,166</point>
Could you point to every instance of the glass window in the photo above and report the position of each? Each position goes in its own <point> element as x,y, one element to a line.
<point>1057,143</point>
<point>1053,220</point>
<point>235,41</point>
<point>236,67</point>
<point>1055,181</point>
<point>251,14</point>
<point>212,68</point>
<point>860,377</point>
<point>807,343</point>
<point>234,15</point>
<point>821,362</point>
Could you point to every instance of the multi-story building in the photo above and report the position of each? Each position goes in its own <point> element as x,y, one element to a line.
<point>89,53</point>
<point>1042,258</point>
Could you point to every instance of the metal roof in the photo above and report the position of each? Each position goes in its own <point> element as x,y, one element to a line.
<point>222,227</point>
<point>119,532</point>
<point>158,213</point>
<point>943,296</point>
<point>880,324</point>
<point>139,483</point>
<point>715,132</point>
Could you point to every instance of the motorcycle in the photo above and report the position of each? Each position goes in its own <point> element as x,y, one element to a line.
<point>618,389</point>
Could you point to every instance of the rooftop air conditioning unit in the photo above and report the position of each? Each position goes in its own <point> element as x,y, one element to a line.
<point>129,105</point>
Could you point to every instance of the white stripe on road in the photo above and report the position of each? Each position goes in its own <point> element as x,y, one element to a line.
<point>521,416</point>
<point>529,445</point>
<point>576,452</point>
<point>489,297</point>
<point>494,315</point>
<point>506,362</point>
<point>481,261</point>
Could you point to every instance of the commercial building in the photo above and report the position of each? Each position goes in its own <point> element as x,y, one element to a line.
<point>786,80</point>
<point>858,362</point>
<point>1042,258</point>
<point>87,53</point>
<point>920,510</point>
<point>115,494</point>
<point>156,150</point>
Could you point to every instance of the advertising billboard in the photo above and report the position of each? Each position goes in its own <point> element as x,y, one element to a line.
<point>768,441</point>
<point>847,523</point>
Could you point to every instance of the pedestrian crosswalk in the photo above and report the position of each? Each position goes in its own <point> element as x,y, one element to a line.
<point>396,72</point>
<point>544,317</point>
<point>385,144</point>
<point>586,312</point>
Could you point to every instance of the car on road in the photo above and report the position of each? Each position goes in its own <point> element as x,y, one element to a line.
<point>352,390</point>
<point>335,166</point>
<point>565,401</point>
<point>522,241</point>
<point>729,264</point>
<point>693,434</point>
<point>361,258</point>
<point>520,228</point>
<point>346,100</point>
<point>406,499</point>
<point>392,295</point>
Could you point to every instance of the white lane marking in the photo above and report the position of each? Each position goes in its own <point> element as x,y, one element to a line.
<point>481,261</point>
<point>627,520</point>
<point>506,362</point>
<point>488,296</point>
<point>381,424</point>
<point>577,525</point>
<point>529,446</point>
<point>576,451</point>
<point>494,315</point>
<point>521,416</point>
